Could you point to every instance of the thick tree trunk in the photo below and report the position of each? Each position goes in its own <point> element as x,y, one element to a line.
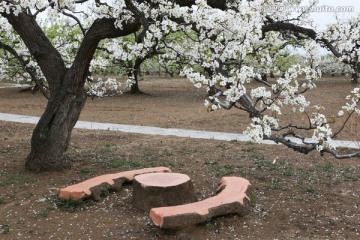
<point>51,137</point>
<point>135,72</point>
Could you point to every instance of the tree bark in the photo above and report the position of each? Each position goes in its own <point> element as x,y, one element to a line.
<point>51,137</point>
<point>355,74</point>
<point>355,78</point>
<point>134,89</point>
<point>264,77</point>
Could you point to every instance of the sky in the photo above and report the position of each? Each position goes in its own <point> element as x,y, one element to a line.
<point>324,18</point>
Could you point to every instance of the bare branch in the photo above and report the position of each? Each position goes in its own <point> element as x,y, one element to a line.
<point>76,19</point>
<point>343,126</point>
<point>30,70</point>
<point>342,156</point>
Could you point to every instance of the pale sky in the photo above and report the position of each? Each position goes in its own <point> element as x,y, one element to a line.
<point>324,18</point>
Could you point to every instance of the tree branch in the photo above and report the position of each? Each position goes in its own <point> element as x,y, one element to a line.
<point>31,71</point>
<point>100,29</point>
<point>40,47</point>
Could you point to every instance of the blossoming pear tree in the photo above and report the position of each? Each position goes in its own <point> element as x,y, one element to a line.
<point>228,34</point>
<point>344,37</point>
<point>331,65</point>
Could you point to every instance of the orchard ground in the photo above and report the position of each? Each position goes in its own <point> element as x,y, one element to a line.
<point>294,195</point>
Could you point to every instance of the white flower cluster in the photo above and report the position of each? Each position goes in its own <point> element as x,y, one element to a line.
<point>352,105</point>
<point>102,87</point>
<point>345,37</point>
<point>261,128</point>
<point>322,133</point>
<point>16,6</point>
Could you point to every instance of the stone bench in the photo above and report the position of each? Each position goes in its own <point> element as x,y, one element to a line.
<point>231,198</point>
<point>94,186</point>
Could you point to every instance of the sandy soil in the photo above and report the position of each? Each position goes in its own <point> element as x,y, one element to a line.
<point>297,197</point>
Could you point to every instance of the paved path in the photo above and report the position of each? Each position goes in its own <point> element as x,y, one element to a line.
<point>14,85</point>
<point>160,131</point>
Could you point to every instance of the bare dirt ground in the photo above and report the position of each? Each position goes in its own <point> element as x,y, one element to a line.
<point>297,197</point>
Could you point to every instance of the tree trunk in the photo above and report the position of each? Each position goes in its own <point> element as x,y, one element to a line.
<point>134,89</point>
<point>264,77</point>
<point>135,72</point>
<point>51,137</point>
<point>355,78</point>
<point>355,74</point>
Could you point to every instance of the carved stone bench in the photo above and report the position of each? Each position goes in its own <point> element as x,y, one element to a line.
<point>231,198</point>
<point>93,187</point>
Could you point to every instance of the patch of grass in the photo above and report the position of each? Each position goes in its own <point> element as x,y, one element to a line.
<point>350,174</point>
<point>312,190</point>
<point>42,213</point>
<point>104,192</point>
<point>14,179</point>
<point>253,199</point>
<point>222,146</point>
<point>253,152</point>
<point>249,147</point>
<point>266,165</point>
<point>110,161</point>
<point>168,152</point>
<point>288,171</point>
<point>274,186</point>
<point>327,168</point>
<point>259,156</point>
<point>207,162</point>
<point>223,170</point>
<point>2,200</point>
<point>108,147</point>
<point>70,205</point>
<point>5,228</point>
<point>185,151</point>
<point>21,221</point>
<point>86,170</point>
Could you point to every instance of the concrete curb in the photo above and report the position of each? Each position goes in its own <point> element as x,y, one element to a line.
<point>222,136</point>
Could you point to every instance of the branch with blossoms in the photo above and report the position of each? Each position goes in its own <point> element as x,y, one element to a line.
<point>227,55</point>
<point>27,68</point>
<point>344,38</point>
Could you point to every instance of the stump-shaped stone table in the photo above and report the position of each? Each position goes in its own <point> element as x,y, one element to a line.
<point>162,189</point>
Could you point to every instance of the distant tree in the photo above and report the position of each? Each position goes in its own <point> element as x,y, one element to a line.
<point>331,65</point>
<point>344,38</point>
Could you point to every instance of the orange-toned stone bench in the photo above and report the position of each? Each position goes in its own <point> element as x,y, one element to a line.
<point>93,187</point>
<point>231,198</point>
